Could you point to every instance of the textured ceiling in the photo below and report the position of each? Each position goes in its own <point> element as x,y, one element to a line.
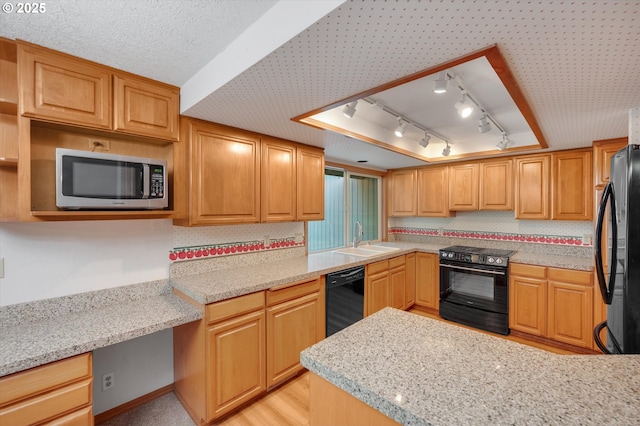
<point>577,63</point>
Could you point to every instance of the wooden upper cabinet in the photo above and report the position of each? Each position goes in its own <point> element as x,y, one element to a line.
<point>463,187</point>
<point>403,193</point>
<point>572,185</point>
<point>58,87</point>
<point>278,181</point>
<point>145,107</point>
<point>225,175</point>
<point>433,191</point>
<point>310,184</point>
<point>496,185</point>
<point>532,187</point>
<point>603,150</point>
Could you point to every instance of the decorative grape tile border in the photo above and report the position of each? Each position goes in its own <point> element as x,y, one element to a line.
<point>496,236</point>
<point>227,249</point>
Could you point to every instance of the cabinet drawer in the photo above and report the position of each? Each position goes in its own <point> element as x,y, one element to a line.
<point>570,276</point>
<point>375,267</point>
<point>236,306</point>
<point>82,417</point>
<point>396,261</point>
<point>279,295</point>
<point>528,270</point>
<point>40,379</point>
<point>48,405</point>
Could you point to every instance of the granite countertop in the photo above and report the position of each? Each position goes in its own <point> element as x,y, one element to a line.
<point>421,371</point>
<point>84,323</point>
<point>223,284</point>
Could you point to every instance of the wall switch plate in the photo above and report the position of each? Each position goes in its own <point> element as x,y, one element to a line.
<point>587,239</point>
<point>1,267</point>
<point>108,381</point>
<point>267,241</point>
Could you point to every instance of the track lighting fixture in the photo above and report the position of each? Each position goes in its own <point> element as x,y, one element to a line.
<point>401,126</point>
<point>483,125</point>
<point>504,143</point>
<point>441,82</point>
<point>350,109</point>
<point>464,107</point>
<point>447,150</point>
<point>424,141</point>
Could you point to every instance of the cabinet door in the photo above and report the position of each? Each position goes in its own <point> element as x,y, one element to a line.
<point>236,353</point>
<point>572,186</point>
<point>278,181</point>
<point>144,107</point>
<point>496,185</point>
<point>291,327</point>
<point>310,185</point>
<point>532,187</point>
<point>58,87</point>
<point>377,292</point>
<point>410,283</point>
<point>397,284</point>
<point>225,180</point>
<point>602,152</point>
<point>528,305</point>
<point>463,187</point>
<point>570,304</point>
<point>433,191</point>
<point>403,193</point>
<point>427,280</point>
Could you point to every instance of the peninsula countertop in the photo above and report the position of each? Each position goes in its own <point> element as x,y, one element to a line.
<point>420,371</point>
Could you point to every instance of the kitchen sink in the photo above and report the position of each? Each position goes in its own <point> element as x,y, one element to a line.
<point>366,251</point>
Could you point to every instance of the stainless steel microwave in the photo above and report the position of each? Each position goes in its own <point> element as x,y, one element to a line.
<point>97,180</point>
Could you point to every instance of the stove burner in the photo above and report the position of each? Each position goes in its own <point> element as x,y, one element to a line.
<point>477,255</point>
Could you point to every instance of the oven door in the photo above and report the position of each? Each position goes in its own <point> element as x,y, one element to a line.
<point>478,286</point>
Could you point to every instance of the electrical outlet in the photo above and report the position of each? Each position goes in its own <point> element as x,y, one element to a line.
<point>108,381</point>
<point>267,241</point>
<point>1,267</point>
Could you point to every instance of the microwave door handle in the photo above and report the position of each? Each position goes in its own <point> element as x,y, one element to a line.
<point>146,181</point>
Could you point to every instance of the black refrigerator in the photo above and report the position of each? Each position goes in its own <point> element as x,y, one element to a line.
<point>619,214</point>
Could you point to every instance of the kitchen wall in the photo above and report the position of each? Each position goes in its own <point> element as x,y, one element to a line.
<point>54,259</point>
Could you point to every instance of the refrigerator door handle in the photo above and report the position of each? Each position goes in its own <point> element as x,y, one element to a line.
<point>607,293</point>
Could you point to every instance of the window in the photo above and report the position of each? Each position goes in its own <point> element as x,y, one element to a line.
<point>348,197</point>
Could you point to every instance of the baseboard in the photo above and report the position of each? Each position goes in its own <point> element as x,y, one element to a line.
<point>128,406</point>
<point>555,343</point>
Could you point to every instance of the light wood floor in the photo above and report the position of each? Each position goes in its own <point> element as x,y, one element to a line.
<point>287,405</point>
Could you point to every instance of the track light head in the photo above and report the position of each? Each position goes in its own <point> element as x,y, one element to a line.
<point>483,125</point>
<point>424,141</point>
<point>464,107</point>
<point>440,83</point>
<point>504,143</point>
<point>400,129</point>
<point>350,109</point>
<point>447,150</point>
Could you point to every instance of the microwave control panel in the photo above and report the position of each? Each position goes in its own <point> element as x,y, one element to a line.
<point>157,181</point>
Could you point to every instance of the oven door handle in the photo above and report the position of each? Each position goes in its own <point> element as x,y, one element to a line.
<point>472,269</point>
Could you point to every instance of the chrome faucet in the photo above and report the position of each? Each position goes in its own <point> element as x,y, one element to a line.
<point>357,238</point>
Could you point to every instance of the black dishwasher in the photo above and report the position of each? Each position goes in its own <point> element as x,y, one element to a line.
<point>345,298</point>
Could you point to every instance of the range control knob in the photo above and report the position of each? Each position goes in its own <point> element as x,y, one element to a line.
<point>499,261</point>
<point>490,259</point>
<point>450,255</point>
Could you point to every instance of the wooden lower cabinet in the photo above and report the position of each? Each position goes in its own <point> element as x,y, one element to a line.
<point>292,326</point>
<point>528,299</point>
<point>410,283</point>
<point>243,346</point>
<point>386,283</point>
<point>236,357</point>
<point>427,280</point>
<point>553,303</point>
<point>59,393</point>
<point>570,316</point>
